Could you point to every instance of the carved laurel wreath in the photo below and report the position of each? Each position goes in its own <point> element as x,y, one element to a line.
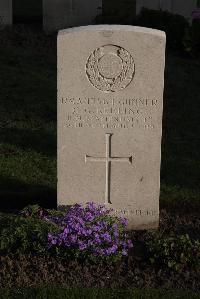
<point>117,83</point>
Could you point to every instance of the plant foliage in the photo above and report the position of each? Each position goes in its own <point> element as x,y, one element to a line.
<point>89,232</point>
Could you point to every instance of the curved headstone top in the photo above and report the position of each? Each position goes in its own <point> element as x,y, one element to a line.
<point>113,27</point>
<point>110,102</point>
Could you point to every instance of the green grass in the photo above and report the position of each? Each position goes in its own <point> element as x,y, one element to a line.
<point>28,119</point>
<point>61,293</point>
<point>181,130</point>
<point>28,124</point>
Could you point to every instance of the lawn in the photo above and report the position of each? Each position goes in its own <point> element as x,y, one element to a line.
<point>180,169</point>
<point>28,118</point>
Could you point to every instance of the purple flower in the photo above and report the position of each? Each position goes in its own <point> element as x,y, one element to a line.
<point>97,239</point>
<point>89,216</point>
<point>90,243</point>
<point>124,252</point>
<point>123,243</point>
<point>82,245</point>
<point>73,239</point>
<point>112,249</point>
<point>129,243</point>
<point>89,232</point>
<point>116,234</point>
<point>52,239</point>
<point>106,237</point>
<point>66,231</point>
<point>95,228</point>
<point>123,221</point>
<point>90,229</point>
<point>115,226</point>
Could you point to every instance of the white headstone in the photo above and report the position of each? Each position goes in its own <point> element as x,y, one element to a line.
<point>5,12</point>
<point>110,101</point>
<point>60,14</point>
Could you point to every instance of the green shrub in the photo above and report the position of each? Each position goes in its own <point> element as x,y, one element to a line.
<point>178,253</point>
<point>29,232</point>
<point>90,232</point>
<point>78,233</point>
<point>173,25</point>
<point>20,234</point>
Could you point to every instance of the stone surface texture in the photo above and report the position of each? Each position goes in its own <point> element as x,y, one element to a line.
<point>110,102</point>
<point>60,14</point>
<point>5,12</point>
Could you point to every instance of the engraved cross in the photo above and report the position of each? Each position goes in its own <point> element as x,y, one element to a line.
<point>108,159</point>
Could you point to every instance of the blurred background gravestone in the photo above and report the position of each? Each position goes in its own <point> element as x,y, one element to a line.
<point>180,7</point>
<point>62,14</point>
<point>117,12</point>
<point>5,12</point>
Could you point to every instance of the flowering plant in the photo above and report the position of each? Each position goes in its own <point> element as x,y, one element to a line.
<point>89,232</point>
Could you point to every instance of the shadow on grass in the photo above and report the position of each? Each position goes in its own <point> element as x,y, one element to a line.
<point>180,169</point>
<point>15,195</point>
<point>39,140</point>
